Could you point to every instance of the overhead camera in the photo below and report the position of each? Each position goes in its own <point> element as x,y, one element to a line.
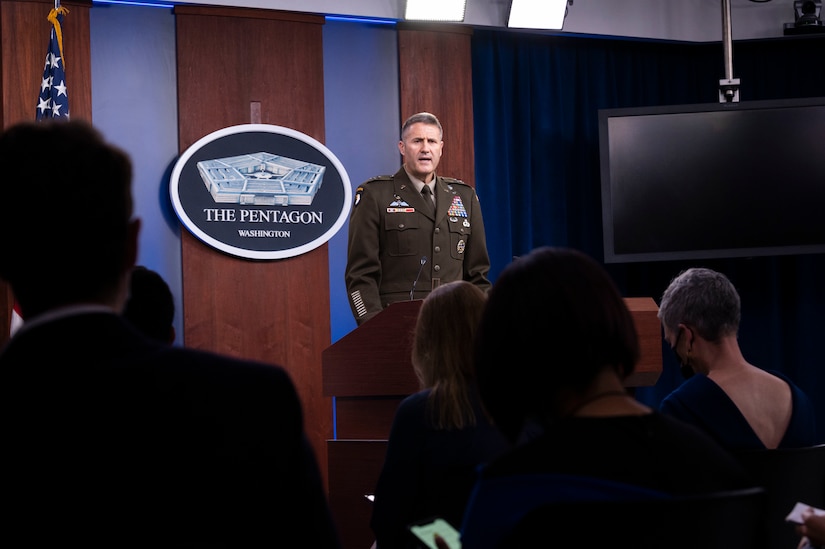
<point>807,18</point>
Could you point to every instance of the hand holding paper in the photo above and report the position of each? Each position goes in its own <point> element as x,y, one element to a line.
<point>796,513</point>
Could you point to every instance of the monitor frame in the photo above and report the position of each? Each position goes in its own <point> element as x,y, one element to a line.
<point>684,121</point>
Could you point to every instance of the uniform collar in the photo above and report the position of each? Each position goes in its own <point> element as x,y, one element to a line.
<point>418,184</point>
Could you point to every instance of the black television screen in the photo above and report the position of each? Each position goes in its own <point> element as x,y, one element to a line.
<point>713,180</point>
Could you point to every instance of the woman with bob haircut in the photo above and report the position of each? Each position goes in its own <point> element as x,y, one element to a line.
<point>554,347</point>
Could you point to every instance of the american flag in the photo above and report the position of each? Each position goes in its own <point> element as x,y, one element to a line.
<point>54,97</point>
<point>53,101</point>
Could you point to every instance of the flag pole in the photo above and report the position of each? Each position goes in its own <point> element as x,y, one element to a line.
<point>53,102</point>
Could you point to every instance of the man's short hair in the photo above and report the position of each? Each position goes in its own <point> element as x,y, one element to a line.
<point>422,118</point>
<point>65,209</point>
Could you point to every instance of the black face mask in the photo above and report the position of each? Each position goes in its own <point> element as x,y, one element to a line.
<point>684,367</point>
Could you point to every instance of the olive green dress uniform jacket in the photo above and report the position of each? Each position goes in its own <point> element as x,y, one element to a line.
<point>391,233</point>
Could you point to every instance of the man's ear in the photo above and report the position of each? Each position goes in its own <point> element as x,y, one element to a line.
<point>131,252</point>
<point>401,147</point>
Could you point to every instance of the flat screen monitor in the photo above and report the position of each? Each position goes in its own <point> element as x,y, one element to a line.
<point>715,180</point>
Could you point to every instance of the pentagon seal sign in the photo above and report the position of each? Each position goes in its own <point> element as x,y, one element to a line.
<point>260,191</point>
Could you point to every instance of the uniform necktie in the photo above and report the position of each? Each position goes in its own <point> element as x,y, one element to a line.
<point>427,195</point>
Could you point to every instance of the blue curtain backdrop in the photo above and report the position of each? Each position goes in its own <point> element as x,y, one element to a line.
<point>536,99</point>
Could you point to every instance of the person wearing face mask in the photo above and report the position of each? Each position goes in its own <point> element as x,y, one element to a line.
<point>589,438</point>
<point>741,405</point>
<point>411,231</point>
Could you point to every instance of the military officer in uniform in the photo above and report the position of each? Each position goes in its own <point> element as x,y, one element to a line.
<point>402,243</point>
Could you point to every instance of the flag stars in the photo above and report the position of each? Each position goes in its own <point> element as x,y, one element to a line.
<point>43,105</point>
<point>53,101</point>
<point>53,61</point>
<point>61,88</point>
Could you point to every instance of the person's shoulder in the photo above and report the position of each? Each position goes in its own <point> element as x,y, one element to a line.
<point>798,395</point>
<point>412,409</point>
<point>377,187</point>
<point>454,181</point>
<point>384,177</point>
<point>219,359</point>
<point>459,187</point>
<point>697,385</point>
<point>416,399</point>
<point>783,377</point>
<point>414,403</point>
<point>377,181</point>
<point>209,366</point>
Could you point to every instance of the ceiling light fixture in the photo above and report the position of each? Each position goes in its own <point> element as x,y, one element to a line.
<point>435,10</point>
<point>538,14</point>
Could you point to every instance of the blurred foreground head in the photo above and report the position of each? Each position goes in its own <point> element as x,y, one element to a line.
<point>554,320</point>
<point>66,229</point>
<point>151,306</point>
<point>444,332</point>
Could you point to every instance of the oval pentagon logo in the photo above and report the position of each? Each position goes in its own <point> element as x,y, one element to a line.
<point>260,191</point>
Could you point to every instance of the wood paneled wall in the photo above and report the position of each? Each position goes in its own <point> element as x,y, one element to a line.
<point>435,73</point>
<point>240,66</point>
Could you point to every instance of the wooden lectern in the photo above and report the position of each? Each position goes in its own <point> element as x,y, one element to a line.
<point>369,372</point>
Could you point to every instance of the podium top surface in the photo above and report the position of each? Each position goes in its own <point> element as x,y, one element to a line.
<point>374,359</point>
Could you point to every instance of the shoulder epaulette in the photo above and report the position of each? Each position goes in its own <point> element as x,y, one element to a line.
<point>452,180</point>
<point>379,178</point>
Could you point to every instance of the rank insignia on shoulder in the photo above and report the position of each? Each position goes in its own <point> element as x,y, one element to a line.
<point>380,178</point>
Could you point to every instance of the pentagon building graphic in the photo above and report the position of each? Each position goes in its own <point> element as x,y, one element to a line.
<point>261,178</point>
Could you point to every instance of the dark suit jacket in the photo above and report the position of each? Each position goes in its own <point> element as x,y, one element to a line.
<point>390,230</point>
<point>111,439</point>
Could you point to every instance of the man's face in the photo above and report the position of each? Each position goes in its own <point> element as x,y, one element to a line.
<point>421,148</point>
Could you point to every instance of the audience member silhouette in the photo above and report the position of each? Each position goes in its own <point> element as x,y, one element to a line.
<point>109,438</point>
<point>150,306</point>
<point>554,346</point>
<point>741,405</point>
<point>439,435</point>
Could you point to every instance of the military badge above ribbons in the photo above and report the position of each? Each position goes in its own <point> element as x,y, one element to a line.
<point>260,191</point>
